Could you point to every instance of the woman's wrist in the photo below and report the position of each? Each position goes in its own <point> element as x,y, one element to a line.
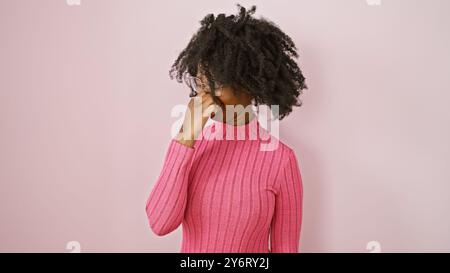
<point>186,142</point>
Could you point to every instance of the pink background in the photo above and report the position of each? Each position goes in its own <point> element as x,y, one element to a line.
<point>85,109</point>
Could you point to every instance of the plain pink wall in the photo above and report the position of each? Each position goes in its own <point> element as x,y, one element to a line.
<point>85,108</point>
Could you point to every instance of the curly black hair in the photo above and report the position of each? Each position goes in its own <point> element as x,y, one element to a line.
<point>249,55</point>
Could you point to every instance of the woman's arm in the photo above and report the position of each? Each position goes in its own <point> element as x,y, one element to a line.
<point>287,218</point>
<point>167,201</point>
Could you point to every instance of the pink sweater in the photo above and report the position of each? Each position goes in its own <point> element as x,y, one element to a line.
<point>229,195</point>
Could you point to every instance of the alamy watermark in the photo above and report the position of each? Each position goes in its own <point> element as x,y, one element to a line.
<point>267,133</point>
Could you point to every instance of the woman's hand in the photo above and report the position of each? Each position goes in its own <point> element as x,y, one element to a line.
<point>200,109</point>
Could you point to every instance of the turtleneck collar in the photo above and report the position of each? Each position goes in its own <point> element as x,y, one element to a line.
<point>239,131</point>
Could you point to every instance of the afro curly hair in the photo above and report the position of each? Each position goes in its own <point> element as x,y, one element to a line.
<point>247,54</point>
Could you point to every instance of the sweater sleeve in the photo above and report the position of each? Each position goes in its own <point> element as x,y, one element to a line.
<point>287,219</point>
<point>167,201</point>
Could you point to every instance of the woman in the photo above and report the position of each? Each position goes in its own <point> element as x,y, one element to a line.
<point>229,194</point>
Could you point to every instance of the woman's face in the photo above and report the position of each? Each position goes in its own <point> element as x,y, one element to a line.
<point>225,93</point>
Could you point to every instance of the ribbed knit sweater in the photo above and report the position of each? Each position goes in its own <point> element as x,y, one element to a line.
<point>242,194</point>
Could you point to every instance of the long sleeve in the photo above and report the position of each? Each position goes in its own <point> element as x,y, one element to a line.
<point>287,219</point>
<point>167,201</point>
